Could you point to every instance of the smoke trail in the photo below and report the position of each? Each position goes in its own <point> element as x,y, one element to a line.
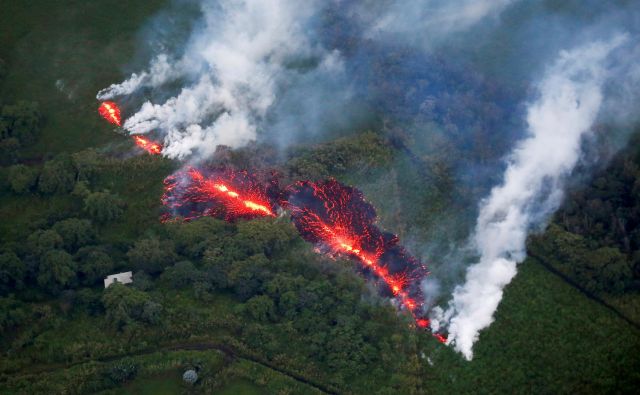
<point>232,68</point>
<point>252,66</point>
<point>570,98</point>
<point>160,71</point>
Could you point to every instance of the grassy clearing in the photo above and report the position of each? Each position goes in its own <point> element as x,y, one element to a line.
<point>240,387</point>
<point>546,338</point>
<point>161,373</point>
<point>167,383</point>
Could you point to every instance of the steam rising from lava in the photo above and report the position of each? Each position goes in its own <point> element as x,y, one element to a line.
<point>242,57</point>
<point>111,112</point>
<point>232,83</point>
<point>570,99</point>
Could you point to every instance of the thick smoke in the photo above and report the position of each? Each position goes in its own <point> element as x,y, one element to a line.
<point>231,71</point>
<point>160,71</point>
<point>259,66</point>
<point>433,20</point>
<point>570,98</point>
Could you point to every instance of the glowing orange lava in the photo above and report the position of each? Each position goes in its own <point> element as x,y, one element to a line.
<point>338,220</point>
<point>334,217</point>
<point>226,194</point>
<point>442,338</point>
<point>345,244</point>
<point>211,186</point>
<point>148,145</point>
<point>110,111</point>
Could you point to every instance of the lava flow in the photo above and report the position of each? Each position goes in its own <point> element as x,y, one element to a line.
<point>334,217</point>
<point>148,145</point>
<point>110,111</point>
<point>338,220</point>
<point>224,194</point>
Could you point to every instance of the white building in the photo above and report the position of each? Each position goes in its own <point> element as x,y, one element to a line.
<point>123,278</point>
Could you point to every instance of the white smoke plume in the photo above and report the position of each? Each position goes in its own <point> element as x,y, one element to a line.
<point>234,67</point>
<point>431,20</point>
<point>532,188</point>
<point>160,71</point>
<point>243,58</point>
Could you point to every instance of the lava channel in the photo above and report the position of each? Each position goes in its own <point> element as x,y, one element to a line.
<point>224,194</point>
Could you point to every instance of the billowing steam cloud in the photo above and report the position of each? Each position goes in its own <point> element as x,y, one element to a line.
<point>570,98</point>
<point>233,68</point>
<point>247,55</point>
<point>433,19</point>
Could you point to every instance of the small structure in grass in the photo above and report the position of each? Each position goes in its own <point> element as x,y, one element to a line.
<point>190,376</point>
<point>122,278</point>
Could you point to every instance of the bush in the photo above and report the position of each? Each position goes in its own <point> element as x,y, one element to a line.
<point>103,206</point>
<point>151,255</point>
<point>22,178</point>
<point>122,371</point>
<point>75,232</point>
<point>58,176</point>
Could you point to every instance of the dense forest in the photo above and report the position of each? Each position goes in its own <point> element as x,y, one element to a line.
<point>594,239</point>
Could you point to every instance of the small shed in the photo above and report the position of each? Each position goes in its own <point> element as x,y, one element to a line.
<point>122,278</point>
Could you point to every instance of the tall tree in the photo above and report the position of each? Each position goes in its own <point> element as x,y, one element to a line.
<point>22,178</point>
<point>12,272</point>
<point>151,255</point>
<point>57,271</point>
<point>103,206</point>
<point>43,241</point>
<point>75,232</point>
<point>58,175</point>
<point>20,121</point>
<point>94,264</point>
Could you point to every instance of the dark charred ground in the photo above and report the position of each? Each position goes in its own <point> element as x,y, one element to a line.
<point>287,320</point>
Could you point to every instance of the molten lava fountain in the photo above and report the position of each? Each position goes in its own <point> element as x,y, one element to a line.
<point>148,145</point>
<point>110,111</point>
